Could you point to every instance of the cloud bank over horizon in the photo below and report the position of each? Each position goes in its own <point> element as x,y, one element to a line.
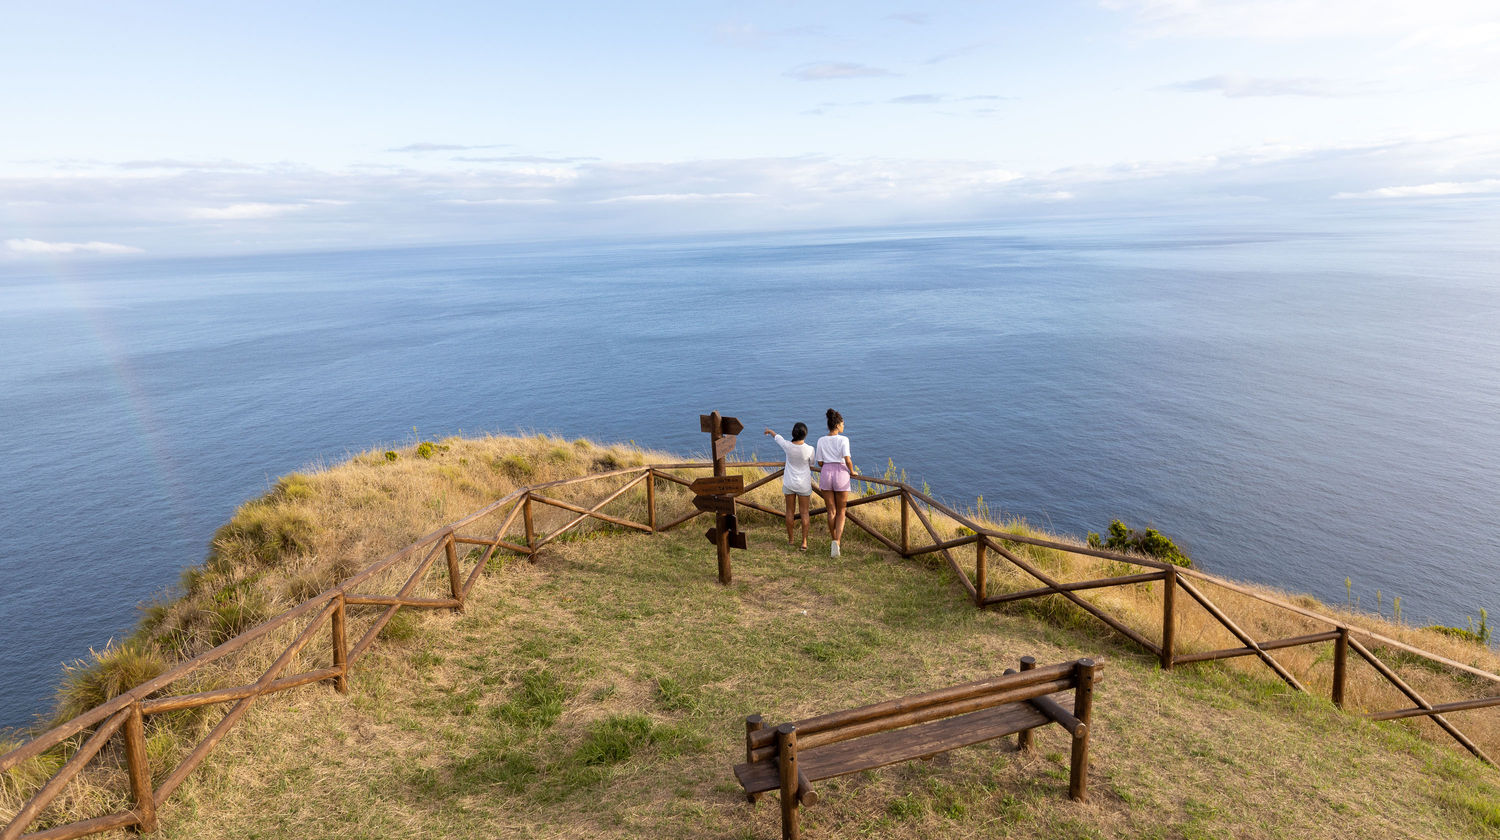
<point>730,119</point>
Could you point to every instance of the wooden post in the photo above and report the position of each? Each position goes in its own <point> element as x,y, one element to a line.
<point>1083,707</point>
<point>530,530</point>
<point>753,723</point>
<point>1340,666</point>
<point>340,648</point>
<point>1025,740</point>
<point>140,770</point>
<point>980,587</point>
<point>651,499</point>
<point>905,533</point>
<point>721,544</point>
<point>1168,617</point>
<point>786,758</point>
<point>455,586</point>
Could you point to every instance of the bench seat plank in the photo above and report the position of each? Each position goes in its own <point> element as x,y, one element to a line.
<point>898,745</point>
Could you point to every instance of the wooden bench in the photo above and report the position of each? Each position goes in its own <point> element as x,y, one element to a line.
<point>792,756</point>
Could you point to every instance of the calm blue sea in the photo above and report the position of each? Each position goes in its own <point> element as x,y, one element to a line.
<point>1296,402</point>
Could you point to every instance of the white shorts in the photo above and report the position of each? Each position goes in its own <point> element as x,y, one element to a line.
<point>791,488</point>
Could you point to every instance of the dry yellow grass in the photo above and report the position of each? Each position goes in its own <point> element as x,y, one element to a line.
<point>409,725</point>
<point>1139,607</point>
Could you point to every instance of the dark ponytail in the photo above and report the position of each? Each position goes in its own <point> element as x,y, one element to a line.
<point>834,419</point>
<point>799,431</point>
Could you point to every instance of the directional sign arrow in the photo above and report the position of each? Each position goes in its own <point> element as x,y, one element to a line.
<point>706,423</point>
<point>736,538</point>
<point>723,446</point>
<point>719,485</point>
<point>731,425</point>
<point>714,504</point>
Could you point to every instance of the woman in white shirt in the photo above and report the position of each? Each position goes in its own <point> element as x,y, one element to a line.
<point>796,479</point>
<point>835,468</point>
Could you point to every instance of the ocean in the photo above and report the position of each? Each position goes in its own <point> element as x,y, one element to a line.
<point>1296,402</point>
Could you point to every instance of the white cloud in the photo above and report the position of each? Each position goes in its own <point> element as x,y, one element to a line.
<point>1431,21</point>
<point>917,99</point>
<point>824,71</point>
<point>187,165</point>
<point>676,197</point>
<point>247,210</point>
<point>473,201</point>
<point>1488,186</point>
<point>165,212</point>
<point>1236,86</point>
<point>37,246</point>
<point>957,53</point>
<point>520,159</point>
<point>750,35</point>
<point>444,147</point>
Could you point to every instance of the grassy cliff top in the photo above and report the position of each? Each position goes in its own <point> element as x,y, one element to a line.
<point>602,690</point>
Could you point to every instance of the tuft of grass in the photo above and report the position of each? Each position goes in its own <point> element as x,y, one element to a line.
<point>401,628</point>
<point>292,487</point>
<point>537,703</point>
<point>235,609</point>
<point>1481,804</point>
<point>494,765</point>
<point>264,532</point>
<point>104,675</point>
<point>616,738</point>
<point>514,466</point>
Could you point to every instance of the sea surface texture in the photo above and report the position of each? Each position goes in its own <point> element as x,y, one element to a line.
<point>1294,403</point>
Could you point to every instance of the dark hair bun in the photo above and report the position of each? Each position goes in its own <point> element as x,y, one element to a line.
<point>834,419</point>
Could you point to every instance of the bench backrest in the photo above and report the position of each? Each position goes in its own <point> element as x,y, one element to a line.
<point>1011,687</point>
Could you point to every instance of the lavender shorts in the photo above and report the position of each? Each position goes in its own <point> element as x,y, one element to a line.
<point>834,477</point>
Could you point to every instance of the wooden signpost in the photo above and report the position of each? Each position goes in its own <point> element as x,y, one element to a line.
<point>717,494</point>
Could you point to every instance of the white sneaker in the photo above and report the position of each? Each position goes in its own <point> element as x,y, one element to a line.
<point>833,550</point>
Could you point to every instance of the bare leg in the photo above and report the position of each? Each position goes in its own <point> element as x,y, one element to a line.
<point>828,511</point>
<point>790,507</point>
<point>804,503</point>
<point>836,522</point>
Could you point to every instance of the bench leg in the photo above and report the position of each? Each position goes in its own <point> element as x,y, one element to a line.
<point>1078,782</point>
<point>1024,740</point>
<point>786,750</point>
<point>753,723</point>
<point>1083,709</point>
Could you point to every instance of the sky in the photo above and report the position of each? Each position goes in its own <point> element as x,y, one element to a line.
<point>157,128</point>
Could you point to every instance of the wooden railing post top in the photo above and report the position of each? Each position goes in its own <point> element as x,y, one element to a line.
<point>755,718</point>
<point>1028,662</point>
<point>786,729</point>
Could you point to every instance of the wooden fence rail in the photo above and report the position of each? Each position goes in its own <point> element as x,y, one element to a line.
<point>123,717</point>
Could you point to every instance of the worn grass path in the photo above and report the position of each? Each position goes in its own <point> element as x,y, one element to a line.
<point>602,691</point>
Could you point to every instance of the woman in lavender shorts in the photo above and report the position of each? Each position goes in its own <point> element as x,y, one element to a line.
<point>835,467</point>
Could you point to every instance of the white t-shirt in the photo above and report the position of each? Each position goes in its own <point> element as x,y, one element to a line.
<point>799,459</point>
<point>833,449</point>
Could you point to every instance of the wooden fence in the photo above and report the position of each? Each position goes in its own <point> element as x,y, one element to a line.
<point>116,728</point>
